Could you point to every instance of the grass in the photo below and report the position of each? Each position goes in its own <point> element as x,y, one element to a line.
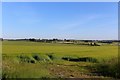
<point>24,59</point>
<point>108,68</point>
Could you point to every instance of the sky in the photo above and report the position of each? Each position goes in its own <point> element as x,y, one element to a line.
<point>63,20</point>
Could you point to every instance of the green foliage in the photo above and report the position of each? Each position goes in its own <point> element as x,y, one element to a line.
<point>80,59</point>
<point>26,58</point>
<point>108,68</point>
<point>41,57</point>
<point>22,59</point>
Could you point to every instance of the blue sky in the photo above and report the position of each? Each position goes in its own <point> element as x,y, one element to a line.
<point>60,20</point>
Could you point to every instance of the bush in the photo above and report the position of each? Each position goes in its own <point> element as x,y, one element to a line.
<point>26,59</point>
<point>80,59</point>
<point>108,68</point>
<point>41,57</point>
<point>37,57</point>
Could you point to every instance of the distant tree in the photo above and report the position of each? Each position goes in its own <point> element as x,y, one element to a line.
<point>32,39</point>
<point>55,39</point>
<point>1,39</point>
<point>64,39</point>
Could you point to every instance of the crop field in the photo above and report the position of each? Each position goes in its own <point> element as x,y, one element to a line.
<point>25,59</point>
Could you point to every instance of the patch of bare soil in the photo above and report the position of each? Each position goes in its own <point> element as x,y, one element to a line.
<point>62,71</point>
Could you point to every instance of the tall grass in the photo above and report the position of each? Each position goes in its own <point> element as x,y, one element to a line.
<point>108,68</point>
<point>35,60</point>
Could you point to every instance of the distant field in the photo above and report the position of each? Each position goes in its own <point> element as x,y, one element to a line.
<point>24,59</point>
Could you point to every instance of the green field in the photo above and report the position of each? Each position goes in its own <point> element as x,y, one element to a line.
<point>24,59</point>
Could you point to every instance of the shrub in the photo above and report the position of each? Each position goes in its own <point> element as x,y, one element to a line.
<point>108,68</point>
<point>37,57</point>
<point>80,59</point>
<point>26,59</point>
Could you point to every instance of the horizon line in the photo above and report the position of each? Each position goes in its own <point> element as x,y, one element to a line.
<point>55,38</point>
